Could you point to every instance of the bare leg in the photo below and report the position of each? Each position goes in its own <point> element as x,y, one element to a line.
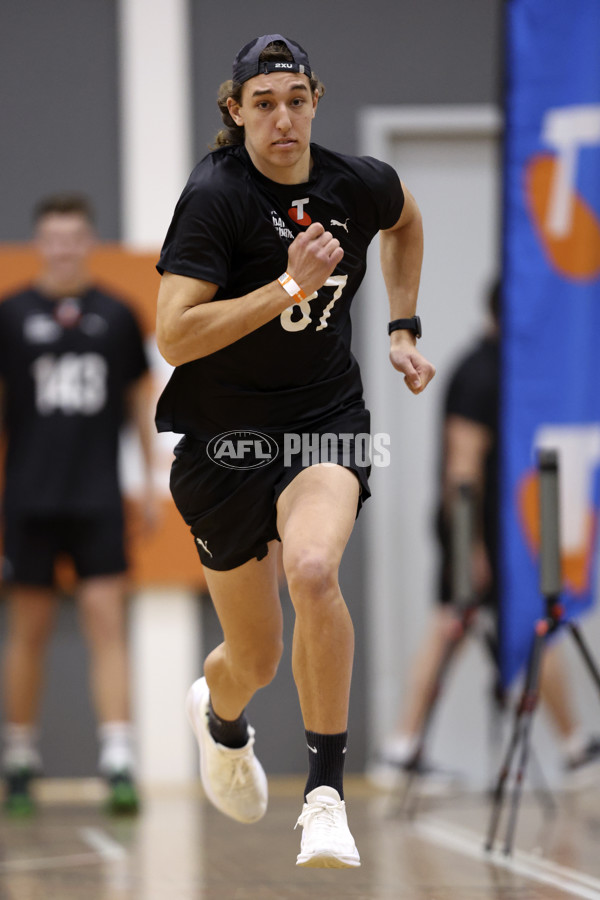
<point>424,670</point>
<point>102,612</point>
<point>31,615</point>
<point>315,516</point>
<point>555,690</point>
<point>247,603</point>
<point>316,513</point>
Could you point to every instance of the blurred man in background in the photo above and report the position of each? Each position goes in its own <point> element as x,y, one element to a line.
<point>470,457</point>
<point>72,369</point>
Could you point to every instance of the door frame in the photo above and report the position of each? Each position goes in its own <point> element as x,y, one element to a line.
<point>380,129</point>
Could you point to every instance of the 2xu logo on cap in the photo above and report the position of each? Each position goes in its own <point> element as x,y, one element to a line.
<point>284,65</point>
<point>242,449</point>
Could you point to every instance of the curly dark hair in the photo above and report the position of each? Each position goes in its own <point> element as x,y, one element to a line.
<point>276,51</point>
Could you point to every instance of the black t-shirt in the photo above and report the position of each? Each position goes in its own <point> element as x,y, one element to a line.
<point>473,393</point>
<point>65,365</point>
<point>232,227</point>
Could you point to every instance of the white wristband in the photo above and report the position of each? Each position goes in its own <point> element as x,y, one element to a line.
<point>292,287</point>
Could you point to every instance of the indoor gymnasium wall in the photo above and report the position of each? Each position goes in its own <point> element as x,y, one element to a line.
<point>60,110</point>
<point>366,53</point>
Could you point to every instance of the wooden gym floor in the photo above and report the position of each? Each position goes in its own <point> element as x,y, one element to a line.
<point>180,848</point>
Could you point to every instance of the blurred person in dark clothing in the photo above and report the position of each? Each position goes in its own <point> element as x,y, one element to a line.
<point>73,369</point>
<point>470,457</point>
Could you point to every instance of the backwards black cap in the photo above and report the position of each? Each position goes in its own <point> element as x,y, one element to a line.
<point>246,64</point>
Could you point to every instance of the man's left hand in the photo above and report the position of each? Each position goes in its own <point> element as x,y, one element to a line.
<point>417,370</point>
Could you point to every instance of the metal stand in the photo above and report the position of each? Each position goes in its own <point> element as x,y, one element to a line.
<point>550,582</point>
<point>465,607</point>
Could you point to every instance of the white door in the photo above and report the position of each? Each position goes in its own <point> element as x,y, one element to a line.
<point>450,163</point>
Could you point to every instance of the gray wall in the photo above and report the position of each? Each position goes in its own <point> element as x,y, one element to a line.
<point>59,115</point>
<point>59,103</point>
<point>58,108</point>
<point>366,52</point>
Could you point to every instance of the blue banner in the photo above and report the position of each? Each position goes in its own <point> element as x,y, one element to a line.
<point>551,315</point>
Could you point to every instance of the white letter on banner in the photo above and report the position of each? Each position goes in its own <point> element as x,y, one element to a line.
<point>578,448</point>
<point>566,130</point>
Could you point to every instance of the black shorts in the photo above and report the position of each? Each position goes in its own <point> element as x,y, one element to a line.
<point>32,545</point>
<point>227,489</point>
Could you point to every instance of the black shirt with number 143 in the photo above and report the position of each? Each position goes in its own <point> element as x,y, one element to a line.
<point>65,365</point>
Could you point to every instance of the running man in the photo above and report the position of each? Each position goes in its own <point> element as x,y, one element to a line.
<point>264,255</point>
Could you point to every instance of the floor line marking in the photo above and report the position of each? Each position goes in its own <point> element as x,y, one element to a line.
<point>100,843</point>
<point>530,858</point>
<point>103,844</point>
<point>536,868</point>
<point>561,870</point>
<point>49,862</point>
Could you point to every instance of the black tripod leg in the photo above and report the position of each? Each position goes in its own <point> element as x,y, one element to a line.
<point>498,707</point>
<point>589,660</point>
<point>496,710</point>
<point>516,738</point>
<point>530,703</point>
<point>550,584</point>
<point>505,768</point>
<point>498,699</point>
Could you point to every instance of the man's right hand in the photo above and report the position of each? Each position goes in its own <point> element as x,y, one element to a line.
<point>312,257</point>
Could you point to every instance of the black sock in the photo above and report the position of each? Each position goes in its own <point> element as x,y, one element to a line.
<point>326,757</point>
<point>233,734</point>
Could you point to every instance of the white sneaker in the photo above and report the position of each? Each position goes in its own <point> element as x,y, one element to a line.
<point>326,839</point>
<point>233,779</point>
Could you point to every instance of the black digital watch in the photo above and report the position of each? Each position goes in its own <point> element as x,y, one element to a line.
<point>413,324</point>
